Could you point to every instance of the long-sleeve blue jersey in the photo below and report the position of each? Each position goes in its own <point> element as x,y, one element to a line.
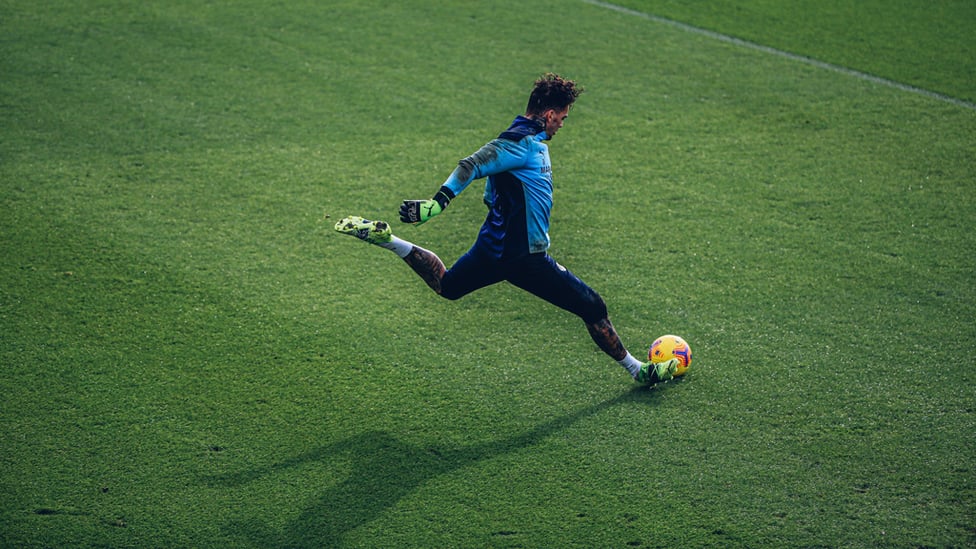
<point>518,190</point>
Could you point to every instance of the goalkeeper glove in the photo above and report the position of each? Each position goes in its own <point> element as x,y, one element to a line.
<point>420,211</point>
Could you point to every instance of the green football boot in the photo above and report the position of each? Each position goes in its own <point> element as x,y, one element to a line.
<point>653,373</point>
<point>374,232</point>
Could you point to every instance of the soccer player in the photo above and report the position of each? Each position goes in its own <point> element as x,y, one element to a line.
<point>514,238</point>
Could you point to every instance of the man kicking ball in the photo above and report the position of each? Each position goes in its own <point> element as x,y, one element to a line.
<point>514,239</point>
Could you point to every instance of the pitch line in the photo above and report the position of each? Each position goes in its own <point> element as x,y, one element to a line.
<point>791,56</point>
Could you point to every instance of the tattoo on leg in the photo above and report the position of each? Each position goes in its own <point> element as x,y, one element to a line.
<point>426,264</point>
<point>606,338</point>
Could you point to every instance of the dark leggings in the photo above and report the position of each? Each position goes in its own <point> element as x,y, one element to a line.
<point>538,274</point>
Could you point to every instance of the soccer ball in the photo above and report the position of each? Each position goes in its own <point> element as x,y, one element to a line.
<point>668,347</point>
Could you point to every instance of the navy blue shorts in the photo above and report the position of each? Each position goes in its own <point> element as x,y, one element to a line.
<point>538,274</point>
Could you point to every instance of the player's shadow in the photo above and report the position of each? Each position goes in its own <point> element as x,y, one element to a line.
<point>383,471</point>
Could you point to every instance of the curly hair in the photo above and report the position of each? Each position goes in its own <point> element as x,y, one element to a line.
<point>552,91</point>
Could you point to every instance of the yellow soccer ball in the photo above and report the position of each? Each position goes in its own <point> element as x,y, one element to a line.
<point>668,347</point>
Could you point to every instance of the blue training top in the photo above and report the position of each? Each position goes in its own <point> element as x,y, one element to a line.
<point>518,191</point>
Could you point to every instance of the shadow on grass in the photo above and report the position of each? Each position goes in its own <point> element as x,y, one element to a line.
<point>383,471</point>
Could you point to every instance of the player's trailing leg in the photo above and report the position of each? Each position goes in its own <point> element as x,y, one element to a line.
<point>374,232</point>
<point>424,262</point>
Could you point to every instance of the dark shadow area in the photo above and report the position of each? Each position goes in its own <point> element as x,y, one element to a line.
<point>383,471</point>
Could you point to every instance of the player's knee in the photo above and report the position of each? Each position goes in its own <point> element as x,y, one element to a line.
<point>449,290</point>
<point>451,295</point>
<point>594,308</point>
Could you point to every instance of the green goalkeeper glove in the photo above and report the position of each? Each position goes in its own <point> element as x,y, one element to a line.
<point>420,211</point>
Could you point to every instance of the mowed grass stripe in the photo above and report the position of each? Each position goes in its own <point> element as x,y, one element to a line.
<point>781,53</point>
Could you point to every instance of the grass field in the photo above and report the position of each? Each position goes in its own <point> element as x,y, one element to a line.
<point>191,357</point>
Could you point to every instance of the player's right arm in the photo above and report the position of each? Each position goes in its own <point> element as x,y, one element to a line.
<point>497,156</point>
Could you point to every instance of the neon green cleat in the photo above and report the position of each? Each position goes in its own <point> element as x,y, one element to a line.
<point>652,373</point>
<point>374,232</point>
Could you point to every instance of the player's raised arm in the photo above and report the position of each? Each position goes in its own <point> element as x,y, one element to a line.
<point>420,211</point>
<point>495,157</point>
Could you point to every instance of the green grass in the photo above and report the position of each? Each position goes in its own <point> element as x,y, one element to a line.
<point>192,358</point>
<point>923,44</point>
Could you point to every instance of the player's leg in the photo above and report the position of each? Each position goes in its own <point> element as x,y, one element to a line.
<point>424,262</point>
<point>373,232</point>
<point>543,277</point>
<point>472,271</point>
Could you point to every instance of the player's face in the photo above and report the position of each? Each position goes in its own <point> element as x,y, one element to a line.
<point>554,120</point>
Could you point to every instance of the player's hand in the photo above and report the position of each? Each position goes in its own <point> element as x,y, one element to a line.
<point>419,211</point>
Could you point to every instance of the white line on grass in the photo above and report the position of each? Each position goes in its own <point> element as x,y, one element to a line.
<point>786,54</point>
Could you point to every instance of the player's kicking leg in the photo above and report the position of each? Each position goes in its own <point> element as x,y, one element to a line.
<point>424,262</point>
<point>543,277</point>
<point>605,336</point>
<point>652,373</point>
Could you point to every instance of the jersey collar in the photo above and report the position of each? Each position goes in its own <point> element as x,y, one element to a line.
<point>523,127</point>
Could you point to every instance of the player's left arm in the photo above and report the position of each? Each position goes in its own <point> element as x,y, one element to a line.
<point>497,156</point>
<point>420,211</point>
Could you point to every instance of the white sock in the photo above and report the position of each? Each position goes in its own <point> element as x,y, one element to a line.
<point>398,246</point>
<point>630,364</point>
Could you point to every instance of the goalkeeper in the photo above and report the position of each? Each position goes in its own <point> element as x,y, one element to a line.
<point>513,242</point>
